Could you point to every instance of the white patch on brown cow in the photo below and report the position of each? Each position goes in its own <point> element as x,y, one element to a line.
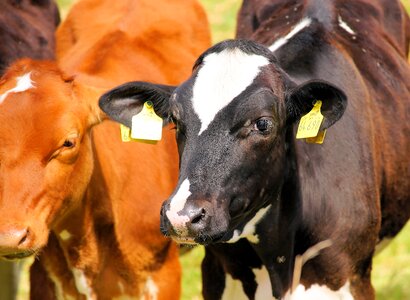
<point>176,204</point>
<point>23,83</point>
<point>222,77</point>
<point>305,22</point>
<point>58,288</point>
<point>65,235</point>
<point>248,231</point>
<point>82,285</point>
<point>345,26</point>
<point>317,291</point>
<point>151,289</point>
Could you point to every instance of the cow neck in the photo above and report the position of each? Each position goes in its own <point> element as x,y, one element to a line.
<point>279,227</point>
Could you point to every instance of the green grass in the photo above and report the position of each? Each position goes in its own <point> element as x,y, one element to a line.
<point>391,271</point>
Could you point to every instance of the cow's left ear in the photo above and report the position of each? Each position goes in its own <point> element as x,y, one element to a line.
<point>300,100</point>
<point>127,100</point>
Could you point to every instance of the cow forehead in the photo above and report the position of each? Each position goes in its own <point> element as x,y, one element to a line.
<point>222,77</point>
<point>23,83</point>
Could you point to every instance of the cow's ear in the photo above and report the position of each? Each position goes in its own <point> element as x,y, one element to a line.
<point>300,100</point>
<point>127,100</point>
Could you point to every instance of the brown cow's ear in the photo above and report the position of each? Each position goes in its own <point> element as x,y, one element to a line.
<point>127,100</point>
<point>300,100</point>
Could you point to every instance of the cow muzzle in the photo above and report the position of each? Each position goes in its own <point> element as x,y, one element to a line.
<point>16,242</point>
<point>187,225</point>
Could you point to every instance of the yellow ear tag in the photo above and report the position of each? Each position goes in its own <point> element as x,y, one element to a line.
<point>317,139</point>
<point>310,123</point>
<point>146,125</point>
<point>125,133</point>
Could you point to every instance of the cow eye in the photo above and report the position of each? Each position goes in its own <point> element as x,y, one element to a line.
<point>69,143</point>
<point>263,124</point>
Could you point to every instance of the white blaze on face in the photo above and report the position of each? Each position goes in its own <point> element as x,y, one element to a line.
<point>283,40</point>
<point>250,227</point>
<point>222,77</point>
<point>316,291</point>
<point>23,84</point>
<point>176,204</point>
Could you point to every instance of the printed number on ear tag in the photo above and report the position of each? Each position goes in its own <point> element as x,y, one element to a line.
<point>146,126</point>
<point>310,123</point>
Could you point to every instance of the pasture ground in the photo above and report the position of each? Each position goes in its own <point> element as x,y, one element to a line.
<point>391,271</point>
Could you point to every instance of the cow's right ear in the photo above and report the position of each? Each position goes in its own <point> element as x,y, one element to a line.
<point>127,100</point>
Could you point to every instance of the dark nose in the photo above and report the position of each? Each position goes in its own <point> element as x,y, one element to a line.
<point>198,218</point>
<point>13,240</point>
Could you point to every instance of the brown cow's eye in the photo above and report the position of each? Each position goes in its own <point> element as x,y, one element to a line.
<point>69,144</point>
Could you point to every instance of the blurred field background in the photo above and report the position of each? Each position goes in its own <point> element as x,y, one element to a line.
<point>391,271</point>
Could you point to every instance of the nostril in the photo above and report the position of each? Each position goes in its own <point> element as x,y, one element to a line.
<point>199,217</point>
<point>24,237</point>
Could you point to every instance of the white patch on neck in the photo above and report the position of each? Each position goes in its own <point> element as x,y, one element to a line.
<point>222,77</point>
<point>320,292</point>
<point>59,290</point>
<point>65,235</point>
<point>250,227</point>
<point>151,289</point>
<point>82,284</point>
<point>305,22</point>
<point>176,204</point>
<point>264,288</point>
<point>23,84</point>
<point>234,288</point>
<point>345,26</point>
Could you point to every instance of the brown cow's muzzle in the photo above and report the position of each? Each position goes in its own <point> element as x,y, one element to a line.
<point>16,242</point>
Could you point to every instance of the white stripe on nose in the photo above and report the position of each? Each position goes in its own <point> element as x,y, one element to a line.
<point>176,204</point>
<point>223,76</point>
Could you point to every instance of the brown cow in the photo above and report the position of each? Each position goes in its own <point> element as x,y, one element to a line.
<point>89,201</point>
<point>26,30</point>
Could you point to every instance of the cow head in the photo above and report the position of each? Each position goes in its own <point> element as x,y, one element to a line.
<point>45,153</point>
<point>231,120</point>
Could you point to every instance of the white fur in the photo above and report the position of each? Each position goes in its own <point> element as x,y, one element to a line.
<point>305,22</point>
<point>82,285</point>
<point>177,203</point>
<point>250,227</point>
<point>345,26</point>
<point>151,289</point>
<point>59,292</point>
<point>223,76</point>
<point>264,288</point>
<point>316,292</point>
<point>23,84</point>
<point>234,288</point>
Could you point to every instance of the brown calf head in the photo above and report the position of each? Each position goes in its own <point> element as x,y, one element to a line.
<point>45,153</point>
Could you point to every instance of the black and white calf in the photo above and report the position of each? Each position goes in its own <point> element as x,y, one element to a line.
<point>256,197</point>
